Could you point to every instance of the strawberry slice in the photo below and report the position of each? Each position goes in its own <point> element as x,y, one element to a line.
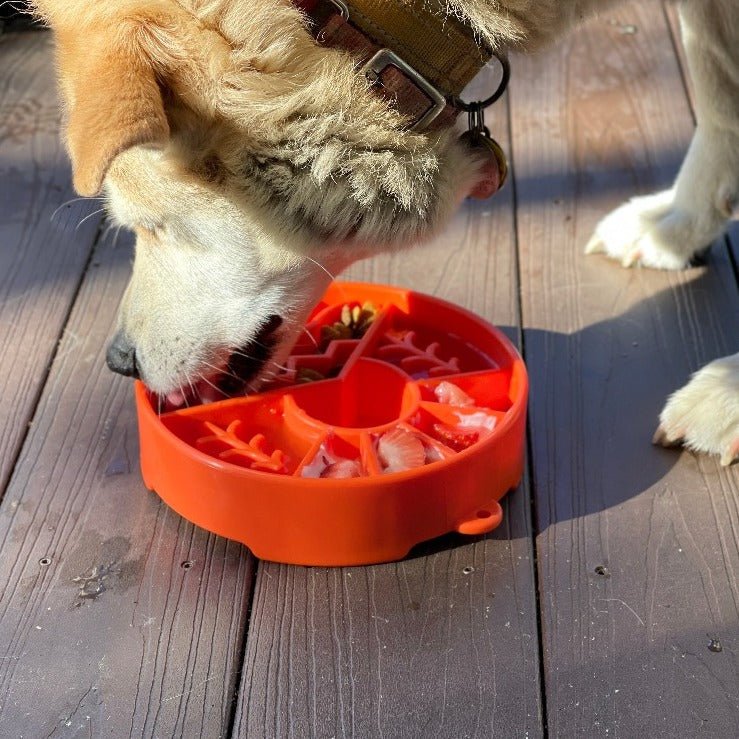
<point>342,470</point>
<point>400,450</point>
<point>450,394</point>
<point>457,439</point>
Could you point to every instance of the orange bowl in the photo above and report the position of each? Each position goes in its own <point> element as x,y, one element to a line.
<point>424,405</point>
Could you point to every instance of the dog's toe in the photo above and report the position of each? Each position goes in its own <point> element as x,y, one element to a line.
<point>631,258</point>
<point>663,438</point>
<point>596,245</point>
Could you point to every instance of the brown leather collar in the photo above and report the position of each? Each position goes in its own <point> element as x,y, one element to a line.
<point>420,59</point>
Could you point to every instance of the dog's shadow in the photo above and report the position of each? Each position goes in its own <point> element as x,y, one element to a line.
<point>596,394</point>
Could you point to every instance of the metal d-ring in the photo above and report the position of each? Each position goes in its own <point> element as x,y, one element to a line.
<point>477,106</point>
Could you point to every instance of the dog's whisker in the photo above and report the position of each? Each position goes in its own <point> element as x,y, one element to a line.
<point>221,371</point>
<point>69,202</point>
<point>193,392</point>
<point>208,382</point>
<point>245,356</point>
<point>212,366</point>
<point>87,217</point>
<point>269,375</point>
<point>239,353</point>
<point>183,394</point>
<point>259,343</point>
<point>117,234</point>
<point>318,264</point>
<point>20,6</point>
<point>310,336</point>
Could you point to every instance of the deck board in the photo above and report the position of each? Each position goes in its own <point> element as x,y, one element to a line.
<point>423,647</point>
<point>116,616</point>
<point>595,120</point>
<point>100,624</point>
<point>43,252</point>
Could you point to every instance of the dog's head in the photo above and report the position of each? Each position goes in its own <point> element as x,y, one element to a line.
<point>250,162</point>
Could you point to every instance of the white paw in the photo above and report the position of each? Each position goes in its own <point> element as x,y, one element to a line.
<point>651,231</point>
<point>704,414</point>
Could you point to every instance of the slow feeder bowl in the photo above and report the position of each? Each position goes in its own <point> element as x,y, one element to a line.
<point>246,468</point>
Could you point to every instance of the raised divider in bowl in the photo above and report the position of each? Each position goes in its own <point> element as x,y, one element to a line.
<point>254,469</point>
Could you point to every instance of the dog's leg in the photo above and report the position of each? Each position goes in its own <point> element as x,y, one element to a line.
<point>704,415</point>
<point>665,230</point>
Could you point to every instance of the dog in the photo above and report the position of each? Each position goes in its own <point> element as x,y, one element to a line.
<point>253,162</point>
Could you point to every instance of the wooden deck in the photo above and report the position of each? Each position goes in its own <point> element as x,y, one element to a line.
<point>589,613</point>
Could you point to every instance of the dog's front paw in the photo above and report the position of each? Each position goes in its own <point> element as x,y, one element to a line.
<point>650,231</point>
<point>704,414</point>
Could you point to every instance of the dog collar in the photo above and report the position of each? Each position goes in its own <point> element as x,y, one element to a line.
<point>416,55</point>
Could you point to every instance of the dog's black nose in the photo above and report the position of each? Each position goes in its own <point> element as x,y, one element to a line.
<point>121,356</point>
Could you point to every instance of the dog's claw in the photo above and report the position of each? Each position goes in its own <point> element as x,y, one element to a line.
<point>595,245</point>
<point>730,454</point>
<point>631,259</point>
<point>662,438</point>
<point>659,437</point>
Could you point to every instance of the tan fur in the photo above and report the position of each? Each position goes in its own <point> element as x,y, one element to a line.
<point>101,126</point>
<point>252,162</point>
<point>247,88</point>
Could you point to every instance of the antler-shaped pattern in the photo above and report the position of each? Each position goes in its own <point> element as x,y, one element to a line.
<point>255,450</point>
<point>414,359</point>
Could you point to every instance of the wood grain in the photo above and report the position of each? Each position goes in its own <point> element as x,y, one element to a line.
<point>116,616</point>
<point>443,644</point>
<point>119,618</point>
<point>43,250</point>
<point>638,546</point>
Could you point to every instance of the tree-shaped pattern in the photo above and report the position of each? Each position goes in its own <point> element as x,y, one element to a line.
<point>403,350</point>
<point>255,450</point>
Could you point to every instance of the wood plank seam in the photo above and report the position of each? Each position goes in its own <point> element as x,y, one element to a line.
<point>241,659</point>
<point>173,640</point>
<point>446,633</point>
<point>4,483</point>
<point>732,246</point>
<point>45,248</point>
<point>597,471</point>
<point>529,485</point>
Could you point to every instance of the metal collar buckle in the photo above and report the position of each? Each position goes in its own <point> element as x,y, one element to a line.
<point>385,58</point>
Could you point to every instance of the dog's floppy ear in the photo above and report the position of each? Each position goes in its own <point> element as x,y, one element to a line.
<point>113,102</point>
